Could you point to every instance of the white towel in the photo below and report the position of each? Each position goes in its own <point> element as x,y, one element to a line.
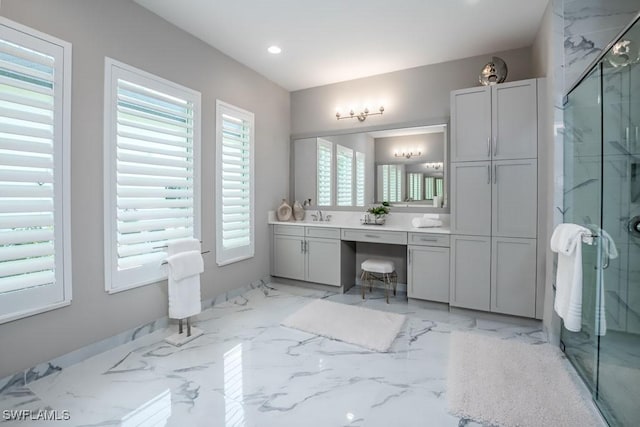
<point>184,295</point>
<point>567,242</point>
<point>185,264</point>
<point>423,222</point>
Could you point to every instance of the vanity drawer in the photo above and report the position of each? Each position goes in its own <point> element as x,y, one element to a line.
<point>325,232</point>
<point>375,236</point>
<point>424,239</point>
<point>289,230</point>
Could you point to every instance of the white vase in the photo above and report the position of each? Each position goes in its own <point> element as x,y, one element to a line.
<point>284,211</point>
<point>298,211</point>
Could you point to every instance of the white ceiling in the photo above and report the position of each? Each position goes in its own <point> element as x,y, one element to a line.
<point>327,41</point>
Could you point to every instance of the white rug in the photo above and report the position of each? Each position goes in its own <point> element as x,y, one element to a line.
<point>507,383</point>
<point>372,329</point>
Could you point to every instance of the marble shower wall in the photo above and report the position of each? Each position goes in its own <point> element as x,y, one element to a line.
<point>589,26</point>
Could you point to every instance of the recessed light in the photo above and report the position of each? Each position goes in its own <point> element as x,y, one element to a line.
<point>274,49</point>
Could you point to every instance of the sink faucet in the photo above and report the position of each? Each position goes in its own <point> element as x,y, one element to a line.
<point>320,215</point>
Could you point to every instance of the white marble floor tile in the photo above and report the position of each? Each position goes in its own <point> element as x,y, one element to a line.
<point>248,370</point>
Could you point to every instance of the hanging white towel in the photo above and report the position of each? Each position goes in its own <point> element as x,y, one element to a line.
<point>185,264</point>
<point>423,222</point>
<point>184,294</point>
<point>567,242</point>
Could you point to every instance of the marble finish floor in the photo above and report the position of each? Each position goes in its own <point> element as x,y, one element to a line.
<point>247,370</point>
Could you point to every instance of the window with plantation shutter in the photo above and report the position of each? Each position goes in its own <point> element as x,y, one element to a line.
<point>234,184</point>
<point>429,187</point>
<point>415,186</point>
<point>344,173</point>
<point>152,183</point>
<point>390,183</point>
<point>325,172</point>
<point>360,178</point>
<point>35,257</point>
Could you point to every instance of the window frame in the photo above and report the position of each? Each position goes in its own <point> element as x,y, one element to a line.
<point>241,253</point>
<point>36,300</point>
<point>147,274</point>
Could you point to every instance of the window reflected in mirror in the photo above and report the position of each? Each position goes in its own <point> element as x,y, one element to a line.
<point>405,167</point>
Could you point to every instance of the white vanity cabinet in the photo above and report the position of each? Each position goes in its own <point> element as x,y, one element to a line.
<point>288,256</point>
<point>428,267</point>
<point>308,254</point>
<point>497,122</point>
<point>494,198</point>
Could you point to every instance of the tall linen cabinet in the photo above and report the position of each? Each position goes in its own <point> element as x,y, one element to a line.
<point>494,197</point>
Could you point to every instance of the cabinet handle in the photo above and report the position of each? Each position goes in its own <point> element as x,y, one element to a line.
<point>302,246</point>
<point>488,146</point>
<point>409,261</point>
<point>495,146</point>
<point>495,174</point>
<point>306,246</point>
<point>372,236</point>
<point>626,135</point>
<point>424,239</point>
<point>488,174</point>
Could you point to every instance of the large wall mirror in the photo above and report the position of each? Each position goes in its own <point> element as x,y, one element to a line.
<point>406,167</point>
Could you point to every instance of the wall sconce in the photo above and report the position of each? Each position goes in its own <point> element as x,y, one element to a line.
<point>435,165</point>
<point>408,155</point>
<point>362,116</point>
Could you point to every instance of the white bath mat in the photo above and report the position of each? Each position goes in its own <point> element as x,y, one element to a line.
<point>508,383</point>
<point>372,329</point>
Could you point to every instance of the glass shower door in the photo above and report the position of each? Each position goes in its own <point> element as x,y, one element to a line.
<point>582,205</point>
<point>618,382</point>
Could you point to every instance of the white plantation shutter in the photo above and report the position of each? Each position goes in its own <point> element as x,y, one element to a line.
<point>360,178</point>
<point>415,185</point>
<point>429,187</point>
<point>392,183</point>
<point>439,187</point>
<point>35,272</point>
<point>325,172</point>
<point>152,172</point>
<point>344,184</point>
<point>235,183</point>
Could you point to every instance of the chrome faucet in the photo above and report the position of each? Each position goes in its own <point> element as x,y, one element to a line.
<point>320,216</point>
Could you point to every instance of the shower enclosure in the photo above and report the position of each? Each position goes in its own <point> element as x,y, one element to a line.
<point>602,193</point>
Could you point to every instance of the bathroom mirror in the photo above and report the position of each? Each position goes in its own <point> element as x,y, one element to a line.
<point>406,167</point>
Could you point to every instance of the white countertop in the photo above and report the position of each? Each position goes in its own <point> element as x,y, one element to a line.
<point>395,222</point>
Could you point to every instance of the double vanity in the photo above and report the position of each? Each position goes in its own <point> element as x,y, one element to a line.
<point>482,182</point>
<point>325,252</point>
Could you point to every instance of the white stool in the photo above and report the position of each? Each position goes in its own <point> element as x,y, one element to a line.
<point>379,269</point>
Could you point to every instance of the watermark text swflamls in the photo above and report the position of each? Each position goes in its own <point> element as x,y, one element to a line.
<point>35,415</point>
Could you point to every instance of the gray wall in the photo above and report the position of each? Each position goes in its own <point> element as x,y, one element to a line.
<point>430,144</point>
<point>124,31</point>
<point>415,95</point>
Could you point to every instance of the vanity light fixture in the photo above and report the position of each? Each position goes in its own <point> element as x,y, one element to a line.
<point>434,165</point>
<point>408,155</point>
<point>361,116</point>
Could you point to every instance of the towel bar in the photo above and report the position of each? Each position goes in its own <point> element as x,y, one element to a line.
<point>201,253</point>
<point>589,239</point>
<point>165,246</point>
